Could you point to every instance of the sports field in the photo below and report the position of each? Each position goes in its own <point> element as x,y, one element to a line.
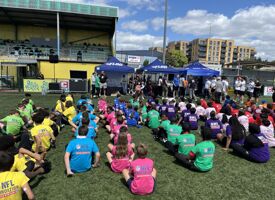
<point>231,177</point>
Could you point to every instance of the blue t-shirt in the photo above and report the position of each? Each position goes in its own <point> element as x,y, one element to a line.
<point>78,118</point>
<point>176,81</point>
<point>91,132</point>
<point>81,150</point>
<point>81,101</point>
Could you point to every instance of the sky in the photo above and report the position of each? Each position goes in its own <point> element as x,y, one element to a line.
<point>248,22</point>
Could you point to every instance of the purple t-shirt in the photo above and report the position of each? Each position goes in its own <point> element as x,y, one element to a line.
<point>215,125</point>
<point>260,154</point>
<point>228,133</point>
<point>171,112</point>
<point>184,114</point>
<point>193,121</point>
<point>163,109</point>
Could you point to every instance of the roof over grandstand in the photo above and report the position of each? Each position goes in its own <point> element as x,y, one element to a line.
<point>72,15</point>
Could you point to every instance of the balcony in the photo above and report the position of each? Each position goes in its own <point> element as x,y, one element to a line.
<point>223,44</point>
<point>201,49</point>
<point>202,44</point>
<point>223,50</point>
<point>202,55</point>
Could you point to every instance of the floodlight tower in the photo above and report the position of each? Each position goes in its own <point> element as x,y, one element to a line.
<point>165,31</point>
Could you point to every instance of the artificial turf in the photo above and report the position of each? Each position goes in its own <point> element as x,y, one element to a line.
<point>231,177</point>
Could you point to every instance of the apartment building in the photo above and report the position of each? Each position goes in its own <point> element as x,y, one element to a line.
<point>213,51</point>
<point>182,46</point>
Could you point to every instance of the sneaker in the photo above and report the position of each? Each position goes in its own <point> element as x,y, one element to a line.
<point>164,140</point>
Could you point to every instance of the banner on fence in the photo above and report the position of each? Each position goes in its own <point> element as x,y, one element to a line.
<point>268,91</point>
<point>33,85</point>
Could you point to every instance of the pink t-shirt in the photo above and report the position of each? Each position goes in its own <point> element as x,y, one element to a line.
<point>102,105</point>
<point>129,138</point>
<point>113,123</point>
<point>119,164</point>
<point>143,182</point>
<point>110,116</point>
<point>116,128</point>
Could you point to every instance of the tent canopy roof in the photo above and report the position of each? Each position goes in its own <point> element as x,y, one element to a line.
<point>158,67</point>
<point>115,66</point>
<point>197,69</point>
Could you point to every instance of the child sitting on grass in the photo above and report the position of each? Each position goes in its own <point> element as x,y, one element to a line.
<point>13,183</point>
<point>78,156</point>
<point>141,176</point>
<point>121,154</point>
<point>201,156</point>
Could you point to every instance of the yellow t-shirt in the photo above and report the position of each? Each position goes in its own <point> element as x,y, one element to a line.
<point>70,113</point>
<point>11,185</point>
<point>58,106</point>
<point>48,122</point>
<point>19,164</point>
<point>45,133</point>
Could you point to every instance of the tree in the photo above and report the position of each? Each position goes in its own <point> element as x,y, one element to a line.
<point>176,58</point>
<point>145,62</point>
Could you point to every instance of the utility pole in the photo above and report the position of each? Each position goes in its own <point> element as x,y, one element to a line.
<point>165,31</point>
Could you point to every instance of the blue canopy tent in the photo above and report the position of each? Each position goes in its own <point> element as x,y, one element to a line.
<point>115,66</point>
<point>158,67</point>
<point>197,69</point>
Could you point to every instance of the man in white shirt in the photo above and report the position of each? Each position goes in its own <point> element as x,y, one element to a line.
<point>93,84</point>
<point>250,89</point>
<point>237,87</point>
<point>242,89</point>
<point>225,87</point>
<point>206,88</point>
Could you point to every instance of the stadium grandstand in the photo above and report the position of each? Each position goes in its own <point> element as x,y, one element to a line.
<point>33,31</point>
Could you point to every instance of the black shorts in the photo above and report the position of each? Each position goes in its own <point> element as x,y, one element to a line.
<point>241,93</point>
<point>236,91</point>
<point>130,180</point>
<point>256,94</point>
<point>175,88</point>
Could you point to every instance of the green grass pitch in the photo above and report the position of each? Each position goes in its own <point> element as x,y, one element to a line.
<point>231,177</point>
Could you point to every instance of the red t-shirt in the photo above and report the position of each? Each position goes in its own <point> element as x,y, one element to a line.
<point>204,104</point>
<point>217,107</point>
<point>119,164</point>
<point>143,182</point>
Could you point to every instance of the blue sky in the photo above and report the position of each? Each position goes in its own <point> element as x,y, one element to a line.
<point>249,22</point>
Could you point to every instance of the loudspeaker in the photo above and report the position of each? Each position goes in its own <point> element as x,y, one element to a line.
<point>54,86</point>
<point>53,58</point>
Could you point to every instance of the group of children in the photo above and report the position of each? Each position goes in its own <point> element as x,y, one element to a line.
<point>29,132</point>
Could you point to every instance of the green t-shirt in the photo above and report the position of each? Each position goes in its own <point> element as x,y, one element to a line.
<point>204,155</point>
<point>134,103</point>
<point>164,124</point>
<point>97,82</point>
<point>153,117</point>
<point>144,113</point>
<point>29,108</point>
<point>24,113</point>
<point>173,131</point>
<point>186,143</point>
<point>14,124</point>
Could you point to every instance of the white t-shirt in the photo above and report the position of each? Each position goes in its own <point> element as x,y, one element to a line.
<point>207,84</point>
<point>237,84</point>
<point>208,111</point>
<point>251,86</point>
<point>225,85</point>
<point>182,106</point>
<point>244,121</point>
<point>213,84</point>
<point>243,85</point>
<point>200,111</point>
<point>181,81</point>
<point>159,82</point>
<point>269,134</point>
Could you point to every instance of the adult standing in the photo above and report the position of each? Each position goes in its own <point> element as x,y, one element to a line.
<point>165,86</point>
<point>242,89</point>
<point>103,83</point>
<point>237,87</point>
<point>97,85</point>
<point>213,86</point>
<point>192,88</point>
<point>182,86</point>
<point>176,82</point>
<point>93,84</point>
<point>257,90</point>
<point>225,87</point>
<point>160,86</point>
<point>207,88</point>
<point>219,89</point>
<point>250,89</point>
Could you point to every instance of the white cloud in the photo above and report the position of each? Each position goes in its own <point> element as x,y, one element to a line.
<point>131,41</point>
<point>152,5</point>
<point>136,26</point>
<point>157,23</point>
<point>252,26</point>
